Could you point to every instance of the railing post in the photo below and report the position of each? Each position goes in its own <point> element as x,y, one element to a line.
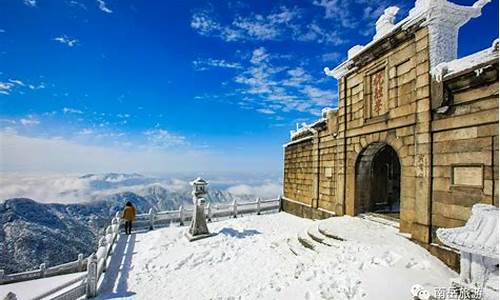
<point>235,208</point>
<point>181,215</point>
<point>209,212</point>
<point>80,262</point>
<point>91,289</point>
<point>109,232</point>
<point>258,205</point>
<point>43,268</point>
<point>114,222</point>
<point>2,275</point>
<point>280,207</point>
<point>151,219</point>
<point>103,243</point>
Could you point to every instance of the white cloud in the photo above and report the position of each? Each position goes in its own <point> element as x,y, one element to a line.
<point>265,27</point>
<point>29,121</point>
<point>205,25</point>
<point>25,154</point>
<point>102,6</point>
<point>64,39</point>
<point>30,3</point>
<point>331,56</point>
<point>266,111</point>
<point>77,4</point>
<point>163,138</point>
<point>6,87</point>
<point>266,190</point>
<point>86,131</point>
<point>314,33</point>
<point>50,188</point>
<point>69,110</point>
<point>202,65</point>
<point>346,12</point>
<point>16,81</point>
<point>282,24</point>
<point>268,85</point>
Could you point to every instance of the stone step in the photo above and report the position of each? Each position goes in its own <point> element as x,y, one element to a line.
<point>317,236</point>
<point>298,249</point>
<point>307,241</point>
<point>329,235</point>
<point>381,219</point>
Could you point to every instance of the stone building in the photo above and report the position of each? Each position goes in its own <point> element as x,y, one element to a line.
<point>415,134</point>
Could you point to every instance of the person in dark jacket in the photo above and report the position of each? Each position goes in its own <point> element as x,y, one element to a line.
<point>129,216</point>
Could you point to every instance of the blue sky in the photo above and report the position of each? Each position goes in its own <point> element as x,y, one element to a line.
<point>175,86</point>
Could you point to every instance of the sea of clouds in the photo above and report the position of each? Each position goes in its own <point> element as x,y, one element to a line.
<point>78,188</point>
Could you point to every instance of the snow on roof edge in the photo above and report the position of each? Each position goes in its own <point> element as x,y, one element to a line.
<point>343,68</point>
<point>422,11</point>
<point>446,70</point>
<point>306,127</point>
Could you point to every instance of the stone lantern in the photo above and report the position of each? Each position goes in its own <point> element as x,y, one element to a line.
<point>198,229</point>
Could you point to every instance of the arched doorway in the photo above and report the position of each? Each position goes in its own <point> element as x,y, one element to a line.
<point>378,180</point>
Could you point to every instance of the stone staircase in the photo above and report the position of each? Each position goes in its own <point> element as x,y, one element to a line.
<point>312,240</point>
<point>315,239</point>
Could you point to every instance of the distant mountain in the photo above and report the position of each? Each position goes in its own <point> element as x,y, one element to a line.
<point>32,232</point>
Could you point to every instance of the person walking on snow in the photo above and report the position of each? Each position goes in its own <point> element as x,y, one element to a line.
<point>128,216</point>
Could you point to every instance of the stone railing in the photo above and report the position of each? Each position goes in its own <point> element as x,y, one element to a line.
<point>84,285</point>
<point>155,219</point>
<point>97,262</point>
<point>88,284</point>
<point>78,265</point>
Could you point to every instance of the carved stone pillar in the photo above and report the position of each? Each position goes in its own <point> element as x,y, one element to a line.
<point>198,229</point>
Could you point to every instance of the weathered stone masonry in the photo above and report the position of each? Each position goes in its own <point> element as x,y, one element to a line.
<point>444,131</point>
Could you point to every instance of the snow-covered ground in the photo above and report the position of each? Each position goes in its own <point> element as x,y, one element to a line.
<point>33,288</point>
<point>250,258</point>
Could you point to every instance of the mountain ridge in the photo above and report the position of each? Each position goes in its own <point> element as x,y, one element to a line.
<point>32,232</point>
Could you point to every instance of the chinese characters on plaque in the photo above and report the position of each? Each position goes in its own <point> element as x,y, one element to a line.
<point>378,103</point>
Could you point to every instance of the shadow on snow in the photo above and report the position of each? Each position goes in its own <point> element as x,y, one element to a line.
<point>238,234</point>
<point>115,280</point>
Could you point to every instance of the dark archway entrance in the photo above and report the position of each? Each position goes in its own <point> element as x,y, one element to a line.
<point>378,180</point>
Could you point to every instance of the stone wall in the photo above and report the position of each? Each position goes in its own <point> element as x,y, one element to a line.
<point>406,69</point>
<point>465,148</point>
<point>298,173</point>
<point>445,135</point>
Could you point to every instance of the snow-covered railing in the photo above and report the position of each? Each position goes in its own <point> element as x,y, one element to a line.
<point>88,283</point>
<point>72,293</point>
<point>98,260</point>
<point>477,242</point>
<point>182,215</point>
<point>71,267</point>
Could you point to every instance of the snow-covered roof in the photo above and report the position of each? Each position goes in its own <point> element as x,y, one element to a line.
<point>199,181</point>
<point>478,59</point>
<point>306,128</point>
<point>478,236</point>
<point>446,18</point>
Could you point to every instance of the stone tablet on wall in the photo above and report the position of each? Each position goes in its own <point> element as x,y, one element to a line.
<point>378,103</point>
<point>468,175</point>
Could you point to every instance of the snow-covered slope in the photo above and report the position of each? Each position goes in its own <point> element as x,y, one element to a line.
<point>250,258</point>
